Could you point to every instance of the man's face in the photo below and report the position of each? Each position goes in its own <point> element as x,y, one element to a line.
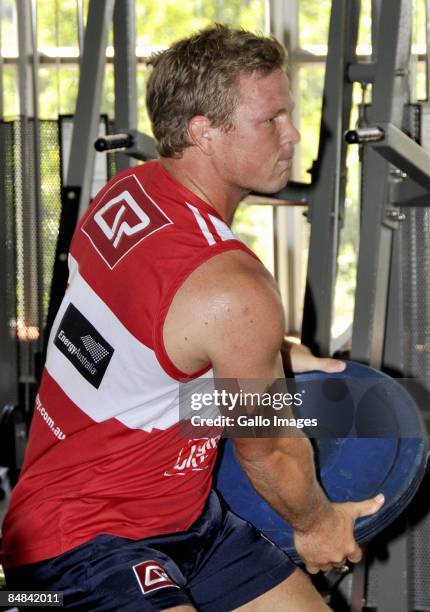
<point>256,155</point>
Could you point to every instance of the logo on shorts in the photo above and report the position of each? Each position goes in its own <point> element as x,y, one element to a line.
<point>151,576</point>
<point>124,216</point>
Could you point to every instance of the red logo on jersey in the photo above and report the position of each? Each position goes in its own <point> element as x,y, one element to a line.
<point>151,576</point>
<point>195,456</point>
<point>123,217</point>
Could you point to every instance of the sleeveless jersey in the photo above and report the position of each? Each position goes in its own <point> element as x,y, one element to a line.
<point>105,454</point>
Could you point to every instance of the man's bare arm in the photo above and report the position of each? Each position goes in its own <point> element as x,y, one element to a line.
<point>298,358</point>
<point>282,471</point>
<point>232,317</point>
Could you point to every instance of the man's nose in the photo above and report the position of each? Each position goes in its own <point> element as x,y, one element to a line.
<point>290,134</point>
<point>294,134</point>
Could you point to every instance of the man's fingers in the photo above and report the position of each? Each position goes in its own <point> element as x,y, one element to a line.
<point>343,548</point>
<point>369,506</point>
<point>356,556</point>
<point>331,366</point>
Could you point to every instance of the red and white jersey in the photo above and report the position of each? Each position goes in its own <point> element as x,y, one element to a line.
<point>105,454</point>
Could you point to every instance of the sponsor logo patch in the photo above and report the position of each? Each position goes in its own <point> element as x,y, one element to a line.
<point>194,457</point>
<point>95,349</point>
<point>124,217</point>
<point>83,346</point>
<point>151,576</point>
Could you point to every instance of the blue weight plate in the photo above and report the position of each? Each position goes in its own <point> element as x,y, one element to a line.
<point>370,438</point>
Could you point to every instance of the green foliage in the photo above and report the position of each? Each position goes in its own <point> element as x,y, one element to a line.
<point>311,81</point>
<point>9,34</point>
<point>365,31</point>
<point>314,19</point>
<point>10,97</point>
<point>57,23</point>
<point>158,24</point>
<point>253,224</point>
<point>419,22</point>
<point>143,120</point>
<point>108,97</point>
<point>161,23</point>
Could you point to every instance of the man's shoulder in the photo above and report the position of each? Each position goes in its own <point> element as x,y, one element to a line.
<point>228,306</point>
<point>232,273</point>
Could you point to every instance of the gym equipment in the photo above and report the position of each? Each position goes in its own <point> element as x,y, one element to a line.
<point>13,438</point>
<point>379,445</point>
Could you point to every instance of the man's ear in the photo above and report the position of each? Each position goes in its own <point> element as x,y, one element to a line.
<point>200,133</point>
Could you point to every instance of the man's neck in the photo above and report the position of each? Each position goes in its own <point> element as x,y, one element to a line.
<point>202,180</point>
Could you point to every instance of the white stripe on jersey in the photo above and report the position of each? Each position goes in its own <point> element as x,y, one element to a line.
<point>135,389</point>
<point>73,268</point>
<point>223,230</point>
<point>202,224</point>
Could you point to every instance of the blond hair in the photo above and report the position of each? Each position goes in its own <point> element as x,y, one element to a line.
<point>199,76</point>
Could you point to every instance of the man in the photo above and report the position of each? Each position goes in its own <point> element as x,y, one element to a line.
<point>114,506</point>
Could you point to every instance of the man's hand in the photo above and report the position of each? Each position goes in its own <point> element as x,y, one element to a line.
<point>298,358</point>
<point>330,541</point>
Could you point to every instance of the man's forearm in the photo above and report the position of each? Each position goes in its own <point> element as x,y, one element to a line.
<point>285,477</point>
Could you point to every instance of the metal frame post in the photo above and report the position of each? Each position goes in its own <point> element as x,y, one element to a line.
<point>328,193</point>
<point>29,251</point>
<point>77,185</point>
<point>80,26</point>
<point>391,573</point>
<point>373,271</point>
<point>87,115</point>
<point>125,67</point>
<point>37,170</point>
<point>376,19</point>
<point>393,357</point>
<point>24,49</point>
<point>8,344</point>
<point>288,221</point>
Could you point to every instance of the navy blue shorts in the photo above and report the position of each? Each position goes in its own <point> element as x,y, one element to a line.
<point>219,564</point>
